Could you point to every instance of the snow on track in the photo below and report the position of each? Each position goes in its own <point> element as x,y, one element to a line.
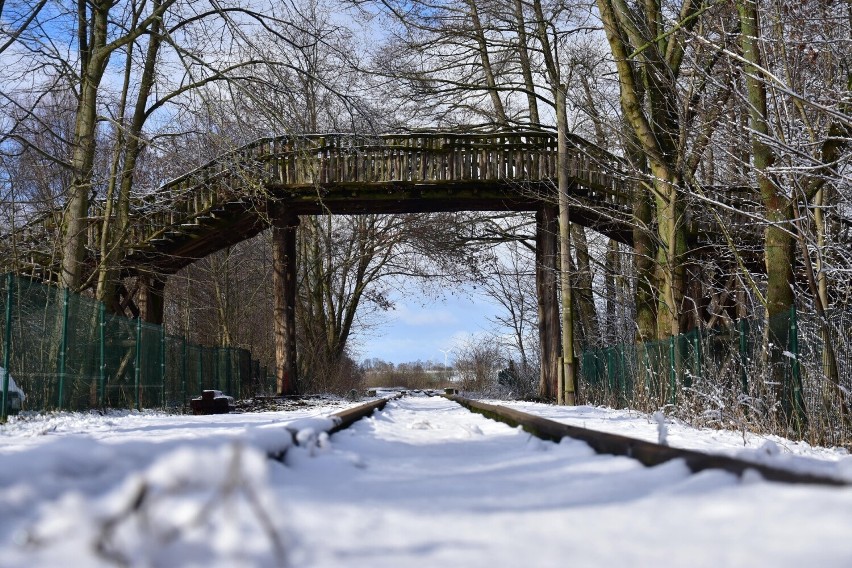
<point>422,483</point>
<point>426,483</point>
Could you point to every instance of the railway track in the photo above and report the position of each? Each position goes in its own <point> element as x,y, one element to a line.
<point>647,453</point>
<point>407,481</point>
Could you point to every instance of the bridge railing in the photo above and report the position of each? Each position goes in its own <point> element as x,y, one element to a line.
<point>428,157</point>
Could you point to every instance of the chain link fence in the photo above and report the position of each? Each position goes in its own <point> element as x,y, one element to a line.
<point>64,351</point>
<point>735,377</point>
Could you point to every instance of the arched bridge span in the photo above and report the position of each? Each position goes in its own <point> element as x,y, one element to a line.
<point>233,197</point>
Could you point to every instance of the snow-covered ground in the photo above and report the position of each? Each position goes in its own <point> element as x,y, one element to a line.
<point>423,483</point>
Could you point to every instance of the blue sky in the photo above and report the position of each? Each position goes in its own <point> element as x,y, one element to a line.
<point>419,328</point>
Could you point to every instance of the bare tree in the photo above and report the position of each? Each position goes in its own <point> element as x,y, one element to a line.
<point>510,281</point>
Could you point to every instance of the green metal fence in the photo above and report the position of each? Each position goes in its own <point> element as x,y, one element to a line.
<point>725,375</point>
<point>64,351</point>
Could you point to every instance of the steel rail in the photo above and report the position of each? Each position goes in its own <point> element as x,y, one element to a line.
<point>648,453</point>
<point>340,421</point>
<point>346,418</point>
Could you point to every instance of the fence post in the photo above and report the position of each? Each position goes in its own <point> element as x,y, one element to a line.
<point>200,374</point>
<point>101,354</point>
<point>163,366</point>
<point>63,346</point>
<point>673,374</point>
<point>610,371</point>
<point>596,372</point>
<point>7,347</point>
<point>798,403</point>
<point>228,374</point>
<point>743,355</point>
<point>184,370</point>
<point>217,364</point>
<point>138,371</point>
<point>697,347</point>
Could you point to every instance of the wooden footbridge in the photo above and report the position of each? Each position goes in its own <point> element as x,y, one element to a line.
<point>235,196</point>
<point>272,181</point>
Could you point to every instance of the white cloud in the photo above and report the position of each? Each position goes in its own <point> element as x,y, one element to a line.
<point>423,316</point>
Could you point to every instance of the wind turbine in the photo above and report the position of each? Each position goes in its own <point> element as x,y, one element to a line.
<point>446,352</point>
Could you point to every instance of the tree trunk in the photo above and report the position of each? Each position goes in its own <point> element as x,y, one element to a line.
<point>107,287</point>
<point>672,239</point>
<point>95,53</point>
<point>94,60</point>
<point>487,68</point>
<point>548,303</point>
<point>779,250</point>
<point>611,324</point>
<point>526,67</point>
<point>829,360</point>
<point>151,298</point>
<point>649,101</point>
<point>585,298</point>
<point>568,389</point>
<point>112,249</point>
<point>643,252</point>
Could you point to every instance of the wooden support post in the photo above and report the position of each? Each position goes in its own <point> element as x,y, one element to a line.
<point>548,300</point>
<point>284,284</point>
<point>151,298</point>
